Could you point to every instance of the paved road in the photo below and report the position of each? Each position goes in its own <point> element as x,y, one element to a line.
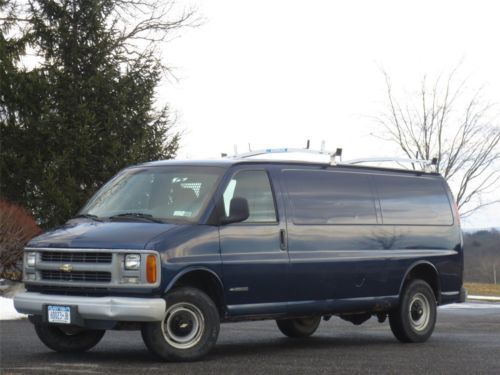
<point>465,341</point>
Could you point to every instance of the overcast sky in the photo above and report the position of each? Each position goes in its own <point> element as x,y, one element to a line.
<point>276,73</point>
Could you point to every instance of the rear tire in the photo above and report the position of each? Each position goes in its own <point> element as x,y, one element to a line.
<point>415,318</point>
<point>68,339</point>
<point>299,327</point>
<point>188,331</point>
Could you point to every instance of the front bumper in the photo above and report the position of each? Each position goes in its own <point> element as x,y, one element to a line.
<point>98,308</point>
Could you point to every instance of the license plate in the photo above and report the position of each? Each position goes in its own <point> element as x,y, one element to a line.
<point>59,314</point>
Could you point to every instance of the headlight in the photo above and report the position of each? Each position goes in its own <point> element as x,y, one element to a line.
<point>132,261</point>
<point>31,259</point>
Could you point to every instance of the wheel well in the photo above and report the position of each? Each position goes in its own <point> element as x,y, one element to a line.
<point>206,282</point>
<point>427,273</point>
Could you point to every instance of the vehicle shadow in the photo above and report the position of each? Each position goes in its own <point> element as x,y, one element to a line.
<point>272,347</point>
<point>227,349</point>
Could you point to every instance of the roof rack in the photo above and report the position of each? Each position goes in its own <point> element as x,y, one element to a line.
<point>287,150</point>
<point>426,164</point>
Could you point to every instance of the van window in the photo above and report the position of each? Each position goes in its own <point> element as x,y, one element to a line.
<point>413,200</point>
<point>255,187</point>
<point>330,197</point>
<point>166,193</point>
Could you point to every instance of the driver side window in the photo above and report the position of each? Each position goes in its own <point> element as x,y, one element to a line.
<point>255,187</point>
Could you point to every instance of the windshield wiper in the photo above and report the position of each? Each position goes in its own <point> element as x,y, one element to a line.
<point>136,215</point>
<point>87,216</point>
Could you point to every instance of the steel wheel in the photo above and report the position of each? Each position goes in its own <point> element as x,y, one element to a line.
<point>188,331</point>
<point>419,312</point>
<point>414,319</point>
<point>183,325</point>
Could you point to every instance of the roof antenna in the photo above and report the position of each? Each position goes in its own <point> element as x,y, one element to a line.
<point>433,163</point>
<point>323,146</point>
<point>308,144</point>
<point>223,155</point>
<point>333,157</point>
<point>235,149</point>
<point>338,153</point>
<point>249,147</point>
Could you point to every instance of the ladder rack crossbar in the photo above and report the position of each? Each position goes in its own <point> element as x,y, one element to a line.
<point>389,159</point>
<point>285,150</point>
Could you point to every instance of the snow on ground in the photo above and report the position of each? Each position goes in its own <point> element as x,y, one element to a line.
<point>7,310</point>
<point>472,305</point>
<point>484,298</point>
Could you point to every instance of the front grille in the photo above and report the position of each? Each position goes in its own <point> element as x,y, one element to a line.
<point>68,290</point>
<point>80,276</point>
<point>76,257</point>
<point>87,268</point>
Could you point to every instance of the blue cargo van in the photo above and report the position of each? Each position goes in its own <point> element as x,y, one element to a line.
<point>174,248</point>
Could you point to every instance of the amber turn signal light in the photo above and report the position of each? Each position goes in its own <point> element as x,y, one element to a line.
<point>151,269</point>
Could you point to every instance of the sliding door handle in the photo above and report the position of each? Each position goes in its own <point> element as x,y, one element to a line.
<point>283,244</point>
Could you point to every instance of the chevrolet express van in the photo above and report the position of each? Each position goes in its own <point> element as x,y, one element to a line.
<point>174,248</point>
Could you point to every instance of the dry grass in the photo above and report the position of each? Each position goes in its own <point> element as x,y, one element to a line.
<point>483,289</point>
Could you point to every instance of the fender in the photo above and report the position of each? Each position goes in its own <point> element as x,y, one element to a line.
<point>412,266</point>
<point>192,269</point>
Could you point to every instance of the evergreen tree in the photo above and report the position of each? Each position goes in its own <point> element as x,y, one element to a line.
<point>87,110</point>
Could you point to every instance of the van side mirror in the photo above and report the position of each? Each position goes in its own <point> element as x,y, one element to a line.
<point>238,211</point>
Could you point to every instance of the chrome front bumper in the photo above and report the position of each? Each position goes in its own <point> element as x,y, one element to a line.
<point>100,308</point>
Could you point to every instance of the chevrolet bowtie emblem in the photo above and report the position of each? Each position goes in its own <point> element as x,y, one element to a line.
<point>66,267</point>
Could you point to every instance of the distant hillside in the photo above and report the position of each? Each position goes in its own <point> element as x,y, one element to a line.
<point>482,256</point>
<point>474,230</point>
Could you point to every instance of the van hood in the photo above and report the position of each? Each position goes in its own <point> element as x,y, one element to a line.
<point>105,235</point>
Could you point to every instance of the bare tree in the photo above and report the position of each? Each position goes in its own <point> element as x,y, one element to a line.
<point>139,26</point>
<point>488,267</point>
<point>447,121</point>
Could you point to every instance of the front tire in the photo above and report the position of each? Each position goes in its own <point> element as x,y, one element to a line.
<point>415,318</point>
<point>188,331</point>
<point>299,327</point>
<point>68,339</point>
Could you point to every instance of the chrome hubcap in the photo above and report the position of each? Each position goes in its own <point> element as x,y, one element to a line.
<point>183,325</point>
<point>419,312</point>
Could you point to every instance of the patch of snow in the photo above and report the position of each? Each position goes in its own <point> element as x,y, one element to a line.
<point>7,310</point>
<point>471,305</point>
<point>484,298</point>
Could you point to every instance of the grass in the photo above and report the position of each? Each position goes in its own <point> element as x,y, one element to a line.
<point>483,289</point>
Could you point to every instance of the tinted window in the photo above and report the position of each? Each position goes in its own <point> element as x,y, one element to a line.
<point>413,200</point>
<point>330,197</point>
<point>254,186</point>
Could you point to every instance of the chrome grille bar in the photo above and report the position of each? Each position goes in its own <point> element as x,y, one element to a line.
<point>80,257</point>
<point>83,276</point>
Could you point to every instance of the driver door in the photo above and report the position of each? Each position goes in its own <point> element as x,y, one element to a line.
<point>254,253</point>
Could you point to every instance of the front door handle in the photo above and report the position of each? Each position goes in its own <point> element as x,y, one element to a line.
<point>283,239</point>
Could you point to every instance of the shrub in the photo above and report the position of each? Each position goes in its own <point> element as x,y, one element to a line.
<point>17,227</point>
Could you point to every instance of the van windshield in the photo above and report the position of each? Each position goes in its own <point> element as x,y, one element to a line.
<point>155,193</point>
